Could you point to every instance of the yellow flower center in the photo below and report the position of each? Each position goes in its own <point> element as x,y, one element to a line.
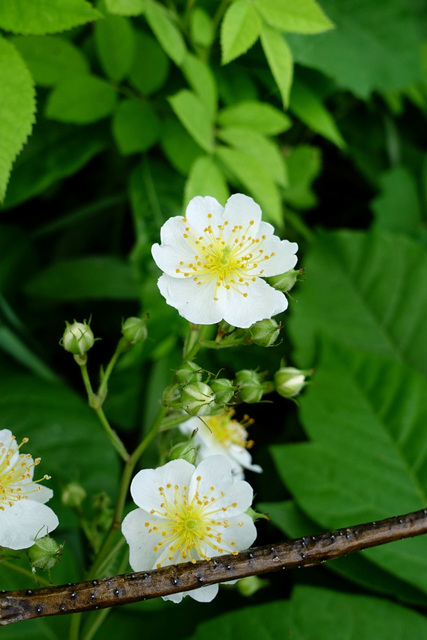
<point>228,431</point>
<point>15,473</point>
<point>233,263</point>
<point>190,529</point>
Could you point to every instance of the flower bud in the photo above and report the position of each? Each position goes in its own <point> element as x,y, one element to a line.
<point>250,387</point>
<point>197,399</point>
<point>265,332</point>
<point>223,389</point>
<point>289,381</point>
<point>73,495</point>
<point>134,330</point>
<point>225,328</point>
<point>78,338</point>
<point>184,450</point>
<point>190,372</point>
<point>285,281</point>
<point>44,554</point>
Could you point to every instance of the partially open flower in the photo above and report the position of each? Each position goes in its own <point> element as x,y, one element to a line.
<point>24,517</point>
<point>214,261</point>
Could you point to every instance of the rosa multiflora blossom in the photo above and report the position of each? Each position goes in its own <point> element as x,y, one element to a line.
<point>222,434</point>
<point>24,517</point>
<point>188,513</point>
<point>215,258</point>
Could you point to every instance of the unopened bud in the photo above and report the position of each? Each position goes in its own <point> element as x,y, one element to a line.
<point>223,389</point>
<point>44,554</point>
<point>285,281</point>
<point>78,338</point>
<point>190,372</point>
<point>73,495</point>
<point>184,450</point>
<point>289,381</point>
<point>197,399</point>
<point>265,332</point>
<point>250,386</point>
<point>134,330</point>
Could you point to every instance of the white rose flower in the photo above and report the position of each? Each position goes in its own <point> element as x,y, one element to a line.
<point>188,513</point>
<point>24,517</point>
<point>214,261</point>
<point>222,434</point>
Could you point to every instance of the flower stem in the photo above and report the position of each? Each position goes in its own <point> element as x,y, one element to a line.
<point>193,341</point>
<point>25,572</point>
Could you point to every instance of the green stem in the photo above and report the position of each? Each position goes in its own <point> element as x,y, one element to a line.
<point>112,435</point>
<point>25,572</point>
<point>192,344</point>
<point>122,346</point>
<point>75,623</point>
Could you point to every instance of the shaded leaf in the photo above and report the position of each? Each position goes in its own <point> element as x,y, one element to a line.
<point>239,30</point>
<point>304,164</point>
<point>126,7</point>
<point>178,146</point>
<point>165,31</point>
<point>150,67</point>
<point>39,17</point>
<point>194,116</point>
<point>115,44</point>
<point>202,81</point>
<point>136,126</point>
<point>259,116</point>
<point>397,208</point>
<point>81,99</point>
<point>206,179</point>
<point>201,27</point>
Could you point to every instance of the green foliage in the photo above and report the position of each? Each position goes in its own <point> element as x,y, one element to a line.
<point>114,39</point>
<point>81,99</point>
<point>45,16</point>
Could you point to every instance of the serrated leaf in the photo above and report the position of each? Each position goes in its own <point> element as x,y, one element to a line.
<point>165,31</point>
<point>17,107</point>
<point>250,173</point>
<point>81,99</point>
<point>115,45</point>
<point>136,126</point>
<point>367,454</point>
<point>206,179</point>
<point>258,146</point>
<point>375,283</point>
<point>125,7</point>
<point>151,65</point>
<point>309,108</point>
<point>239,30</point>
<point>50,58</point>
<point>259,116</point>
<point>201,79</point>
<point>193,114</point>
<point>399,193</point>
<point>298,16</point>
<point>39,17</point>
<point>279,58</point>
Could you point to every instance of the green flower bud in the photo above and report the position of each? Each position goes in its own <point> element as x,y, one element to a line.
<point>223,389</point>
<point>78,338</point>
<point>134,330</point>
<point>190,372</point>
<point>265,332</point>
<point>44,554</point>
<point>171,395</point>
<point>73,495</point>
<point>224,327</point>
<point>290,381</point>
<point>197,399</point>
<point>250,387</point>
<point>286,280</point>
<point>184,450</point>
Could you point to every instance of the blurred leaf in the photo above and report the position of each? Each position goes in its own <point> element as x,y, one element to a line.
<point>126,7</point>
<point>15,347</point>
<point>206,179</point>
<point>366,459</point>
<point>255,179</point>
<point>399,196</point>
<point>85,278</point>
<point>194,116</point>
<point>257,146</point>
<point>201,27</point>
<point>375,46</point>
<point>165,31</point>
<point>115,44</point>
<point>50,58</point>
<point>306,104</point>
<point>239,30</point>
<point>202,81</point>
<point>180,149</point>
<point>81,100</point>
<point>374,283</point>
<point>300,16</point>
<point>279,58</point>
<point>304,163</point>
<point>259,116</point>
<point>150,67</point>
<point>136,126</point>
<point>17,107</point>
<point>39,17</point>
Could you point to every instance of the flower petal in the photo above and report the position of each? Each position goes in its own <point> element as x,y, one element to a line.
<point>198,210</point>
<point>141,539</point>
<point>194,303</point>
<point>240,210</point>
<point>262,301</point>
<point>146,484</point>
<point>24,522</point>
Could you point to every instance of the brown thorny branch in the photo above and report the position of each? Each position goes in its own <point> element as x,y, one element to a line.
<point>132,587</point>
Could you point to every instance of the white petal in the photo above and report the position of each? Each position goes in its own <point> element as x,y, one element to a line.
<point>284,257</point>
<point>261,302</point>
<point>241,531</point>
<point>145,485</point>
<point>244,458</point>
<point>37,492</point>
<point>141,540</point>
<point>240,210</point>
<point>194,303</point>
<point>23,523</point>
<point>203,594</point>
<point>198,210</point>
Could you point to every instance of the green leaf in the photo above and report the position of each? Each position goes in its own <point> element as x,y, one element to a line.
<point>259,116</point>
<point>180,149</point>
<point>91,278</point>
<point>366,282</point>
<point>306,104</point>
<point>299,16</point>
<point>165,31</point>
<point>366,458</point>
<point>304,164</point>
<point>15,347</point>
<point>201,79</point>
<point>17,107</point>
<point>239,30</point>
<point>192,112</point>
<point>50,58</point>
<point>279,58</point>
<point>150,67</point>
<point>201,27</point>
<point>81,99</point>
<point>136,126</point>
<point>125,7</point>
<point>376,45</point>
<point>250,173</point>
<point>397,208</point>
<point>259,147</point>
<point>206,179</point>
<point>39,17</point>
<point>115,44</point>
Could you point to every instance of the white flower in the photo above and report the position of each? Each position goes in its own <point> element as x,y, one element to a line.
<point>23,515</point>
<point>221,434</point>
<point>188,513</point>
<point>214,260</point>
